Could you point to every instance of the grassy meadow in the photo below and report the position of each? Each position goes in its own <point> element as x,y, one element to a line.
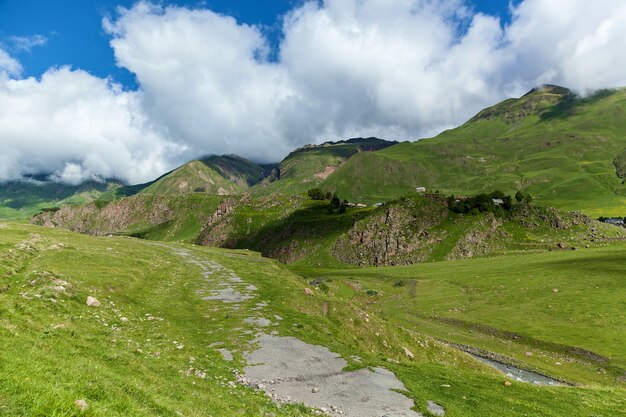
<point>149,348</point>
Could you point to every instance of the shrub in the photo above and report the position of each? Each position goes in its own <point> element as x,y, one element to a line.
<point>316,194</point>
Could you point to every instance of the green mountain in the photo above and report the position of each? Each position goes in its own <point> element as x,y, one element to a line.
<point>568,152</point>
<point>565,150</point>
<point>193,177</point>
<point>237,169</point>
<point>20,199</point>
<point>310,165</point>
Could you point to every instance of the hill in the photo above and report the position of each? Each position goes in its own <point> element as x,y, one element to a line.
<point>295,229</point>
<point>192,177</point>
<point>237,169</point>
<point>178,217</point>
<point>23,199</point>
<point>410,230</point>
<point>308,166</point>
<point>565,150</point>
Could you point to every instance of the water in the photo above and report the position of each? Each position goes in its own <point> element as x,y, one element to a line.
<point>518,374</point>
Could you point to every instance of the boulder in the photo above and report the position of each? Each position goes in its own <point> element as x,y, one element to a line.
<point>82,404</point>
<point>93,302</point>
<point>408,353</point>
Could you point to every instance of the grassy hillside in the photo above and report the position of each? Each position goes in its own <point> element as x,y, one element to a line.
<point>168,218</point>
<point>21,199</point>
<point>563,149</point>
<point>306,167</point>
<point>151,347</point>
<point>237,169</point>
<point>409,230</point>
<point>193,177</point>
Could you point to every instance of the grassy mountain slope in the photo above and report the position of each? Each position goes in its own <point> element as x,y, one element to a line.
<point>162,361</point>
<point>20,199</point>
<point>167,218</point>
<point>306,167</point>
<point>237,169</point>
<point>561,148</point>
<point>193,177</point>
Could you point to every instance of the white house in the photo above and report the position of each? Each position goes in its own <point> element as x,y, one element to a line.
<point>420,189</point>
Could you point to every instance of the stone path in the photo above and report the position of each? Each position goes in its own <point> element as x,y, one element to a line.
<point>290,370</point>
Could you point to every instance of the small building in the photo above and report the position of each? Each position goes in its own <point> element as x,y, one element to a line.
<point>616,221</point>
<point>378,204</point>
<point>498,201</point>
<point>420,189</point>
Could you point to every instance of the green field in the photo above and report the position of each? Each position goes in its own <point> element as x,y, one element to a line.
<point>55,350</point>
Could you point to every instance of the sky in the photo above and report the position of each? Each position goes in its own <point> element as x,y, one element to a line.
<point>93,89</point>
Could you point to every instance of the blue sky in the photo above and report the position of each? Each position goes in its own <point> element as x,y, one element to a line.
<point>74,34</point>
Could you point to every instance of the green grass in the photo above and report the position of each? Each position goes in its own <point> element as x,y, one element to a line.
<point>476,302</point>
<point>114,366</point>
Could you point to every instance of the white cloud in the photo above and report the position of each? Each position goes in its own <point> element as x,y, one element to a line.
<point>576,43</point>
<point>400,69</point>
<point>206,79</point>
<point>78,127</point>
<point>8,65</point>
<point>26,43</point>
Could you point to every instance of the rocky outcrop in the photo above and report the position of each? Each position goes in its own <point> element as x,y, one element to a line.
<point>478,239</point>
<point>218,227</point>
<point>399,234</point>
<point>111,218</point>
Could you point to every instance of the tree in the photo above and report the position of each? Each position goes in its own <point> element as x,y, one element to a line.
<point>507,202</point>
<point>315,194</point>
<point>498,194</point>
<point>519,196</point>
<point>528,198</point>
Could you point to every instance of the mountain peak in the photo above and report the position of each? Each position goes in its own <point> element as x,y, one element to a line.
<point>533,103</point>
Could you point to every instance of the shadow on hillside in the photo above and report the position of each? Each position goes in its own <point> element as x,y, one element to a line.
<point>607,264</point>
<point>568,105</point>
<point>299,232</point>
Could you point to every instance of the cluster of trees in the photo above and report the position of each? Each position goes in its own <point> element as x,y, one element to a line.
<point>496,202</point>
<point>335,205</point>
<point>520,197</point>
<point>317,194</point>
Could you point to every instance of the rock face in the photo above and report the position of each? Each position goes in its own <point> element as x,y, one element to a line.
<point>216,231</point>
<point>114,217</point>
<point>397,235</point>
<point>477,240</point>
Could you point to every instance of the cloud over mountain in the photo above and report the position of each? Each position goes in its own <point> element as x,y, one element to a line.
<point>399,69</point>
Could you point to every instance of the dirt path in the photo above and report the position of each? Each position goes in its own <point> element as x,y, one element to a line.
<point>290,370</point>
